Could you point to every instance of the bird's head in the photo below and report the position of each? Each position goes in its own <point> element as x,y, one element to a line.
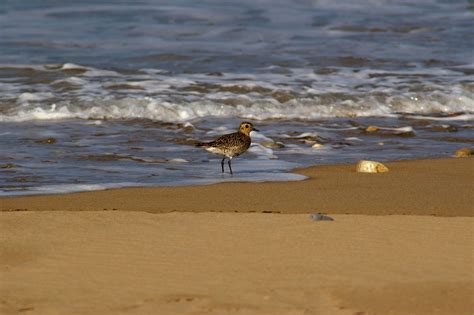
<point>246,127</point>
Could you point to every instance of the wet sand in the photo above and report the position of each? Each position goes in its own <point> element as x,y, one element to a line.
<point>424,187</point>
<point>145,261</point>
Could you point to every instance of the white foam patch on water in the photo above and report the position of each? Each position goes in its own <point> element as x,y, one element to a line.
<point>38,113</point>
<point>71,80</point>
<point>100,73</point>
<point>70,188</point>
<point>178,160</point>
<point>65,188</point>
<point>26,97</point>
<point>258,136</point>
<point>353,139</point>
<point>463,117</point>
<point>262,151</point>
<point>72,66</point>
<point>398,130</point>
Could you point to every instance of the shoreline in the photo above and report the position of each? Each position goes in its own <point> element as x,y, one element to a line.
<point>405,249</point>
<point>437,187</point>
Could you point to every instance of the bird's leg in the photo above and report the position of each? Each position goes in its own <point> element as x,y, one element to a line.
<point>230,166</point>
<point>222,164</point>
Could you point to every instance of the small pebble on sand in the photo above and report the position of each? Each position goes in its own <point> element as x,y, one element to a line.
<point>320,217</point>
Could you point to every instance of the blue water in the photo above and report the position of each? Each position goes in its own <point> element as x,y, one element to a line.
<point>125,88</point>
<point>229,35</point>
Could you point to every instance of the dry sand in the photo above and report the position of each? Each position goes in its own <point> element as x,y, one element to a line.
<point>425,187</point>
<point>116,262</point>
<point>137,262</point>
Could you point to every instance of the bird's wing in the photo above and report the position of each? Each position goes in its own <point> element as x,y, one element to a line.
<point>222,140</point>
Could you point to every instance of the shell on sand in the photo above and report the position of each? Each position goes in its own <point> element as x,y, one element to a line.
<point>371,167</point>
<point>464,152</point>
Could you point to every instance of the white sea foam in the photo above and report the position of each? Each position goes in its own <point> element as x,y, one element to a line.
<point>405,129</point>
<point>72,66</point>
<point>65,188</point>
<point>463,117</point>
<point>27,97</point>
<point>256,135</point>
<point>69,188</point>
<point>156,109</point>
<point>178,160</point>
<point>70,80</point>
<point>298,93</point>
<point>261,151</point>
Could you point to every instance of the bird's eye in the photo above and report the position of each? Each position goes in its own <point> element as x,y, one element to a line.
<point>247,126</point>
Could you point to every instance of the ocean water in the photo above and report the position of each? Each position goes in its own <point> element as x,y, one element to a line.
<point>103,94</point>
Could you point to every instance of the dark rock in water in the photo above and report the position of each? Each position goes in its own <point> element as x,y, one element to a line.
<point>53,66</point>
<point>216,74</point>
<point>320,217</point>
<point>309,138</point>
<point>325,71</point>
<point>187,128</point>
<point>242,89</point>
<point>272,145</point>
<point>74,71</point>
<point>444,128</point>
<point>124,87</point>
<point>47,141</point>
<point>389,132</point>
<point>282,97</point>
<point>102,157</point>
<point>8,165</point>
<point>371,129</point>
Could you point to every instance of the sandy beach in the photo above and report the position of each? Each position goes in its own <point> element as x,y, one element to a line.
<point>114,116</point>
<point>400,243</point>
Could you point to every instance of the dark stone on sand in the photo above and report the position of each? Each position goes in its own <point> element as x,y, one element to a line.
<point>320,217</point>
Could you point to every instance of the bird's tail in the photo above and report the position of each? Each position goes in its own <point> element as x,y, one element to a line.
<point>201,144</point>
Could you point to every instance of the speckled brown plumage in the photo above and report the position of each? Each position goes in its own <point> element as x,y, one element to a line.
<point>231,145</point>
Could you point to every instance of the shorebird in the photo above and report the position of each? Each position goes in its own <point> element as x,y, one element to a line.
<point>230,145</point>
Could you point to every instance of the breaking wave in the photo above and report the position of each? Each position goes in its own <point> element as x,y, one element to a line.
<point>49,92</point>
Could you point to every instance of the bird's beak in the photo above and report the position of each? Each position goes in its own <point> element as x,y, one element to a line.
<point>253,129</point>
